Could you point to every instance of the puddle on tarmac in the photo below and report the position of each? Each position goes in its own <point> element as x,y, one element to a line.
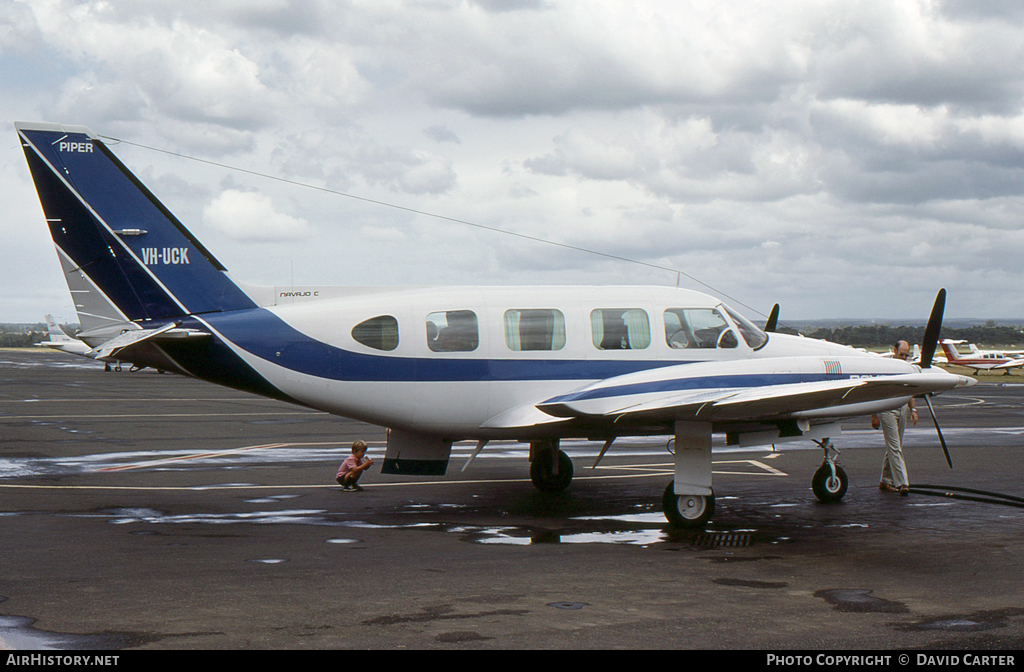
<point>860,600</point>
<point>271,499</point>
<point>642,529</point>
<point>744,583</point>
<point>153,517</point>
<point>17,633</point>
<point>49,364</point>
<point>976,622</point>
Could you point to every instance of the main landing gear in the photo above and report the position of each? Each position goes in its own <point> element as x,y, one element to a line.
<point>687,510</point>
<point>550,468</point>
<point>829,482</point>
<point>551,471</point>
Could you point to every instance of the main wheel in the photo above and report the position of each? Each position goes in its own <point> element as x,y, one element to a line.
<point>687,510</point>
<point>542,476</point>
<point>826,488</point>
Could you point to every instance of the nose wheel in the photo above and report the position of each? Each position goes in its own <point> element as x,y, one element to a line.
<point>687,510</point>
<point>829,482</point>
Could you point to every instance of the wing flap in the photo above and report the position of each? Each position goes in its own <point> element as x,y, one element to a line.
<point>527,415</point>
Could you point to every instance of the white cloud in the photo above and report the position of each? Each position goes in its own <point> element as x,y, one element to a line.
<point>251,217</point>
<point>816,151</point>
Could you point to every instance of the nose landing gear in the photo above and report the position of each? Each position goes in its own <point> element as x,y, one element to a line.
<point>829,482</point>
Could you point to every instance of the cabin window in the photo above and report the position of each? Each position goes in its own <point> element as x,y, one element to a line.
<point>697,328</point>
<point>534,329</point>
<point>754,337</point>
<point>379,333</point>
<point>453,331</point>
<point>620,328</point>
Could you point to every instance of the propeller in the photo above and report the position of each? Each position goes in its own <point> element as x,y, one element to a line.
<point>931,332</point>
<point>945,450</point>
<point>773,319</point>
<point>931,339</point>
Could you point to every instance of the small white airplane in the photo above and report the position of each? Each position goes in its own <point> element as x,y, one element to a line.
<point>59,340</point>
<point>982,360</point>
<point>443,364</point>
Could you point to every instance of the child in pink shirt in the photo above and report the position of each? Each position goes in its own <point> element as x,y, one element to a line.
<point>353,467</point>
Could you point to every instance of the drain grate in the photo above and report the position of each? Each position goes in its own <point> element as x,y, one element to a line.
<point>724,539</point>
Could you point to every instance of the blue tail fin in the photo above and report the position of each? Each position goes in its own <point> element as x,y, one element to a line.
<point>109,227</point>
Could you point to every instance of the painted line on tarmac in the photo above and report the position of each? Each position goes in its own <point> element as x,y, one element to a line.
<point>78,400</point>
<point>146,415</point>
<point>669,468</point>
<point>197,456</point>
<point>633,472</point>
<point>973,401</point>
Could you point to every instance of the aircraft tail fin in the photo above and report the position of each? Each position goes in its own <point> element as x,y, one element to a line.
<point>950,349</point>
<point>125,256</point>
<point>57,335</point>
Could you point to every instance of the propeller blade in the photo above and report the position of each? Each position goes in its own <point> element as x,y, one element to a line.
<point>931,332</point>
<point>927,400</point>
<point>773,319</point>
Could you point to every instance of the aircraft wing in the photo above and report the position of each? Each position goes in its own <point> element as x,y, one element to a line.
<point>611,402</point>
<point>1012,364</point>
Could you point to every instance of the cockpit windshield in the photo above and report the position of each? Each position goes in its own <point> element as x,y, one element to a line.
<point>698,328</point>
<point>754,337</point>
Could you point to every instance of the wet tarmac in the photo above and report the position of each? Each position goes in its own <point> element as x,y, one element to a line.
<point>150,511</point>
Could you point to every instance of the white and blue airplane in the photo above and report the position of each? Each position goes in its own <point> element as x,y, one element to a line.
<point>443,364</point>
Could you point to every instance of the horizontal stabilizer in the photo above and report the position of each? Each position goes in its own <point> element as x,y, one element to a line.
<point>168,332</point>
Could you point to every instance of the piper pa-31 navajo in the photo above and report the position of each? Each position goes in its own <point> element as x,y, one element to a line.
<point>443,364</point>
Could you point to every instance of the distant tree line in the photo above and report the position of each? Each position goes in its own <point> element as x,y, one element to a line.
<point>880,335</point>
<point>24,335</point>
<point>21,340</point>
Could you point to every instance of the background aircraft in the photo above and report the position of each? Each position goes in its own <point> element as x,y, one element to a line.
<point>59,340</point>
<point>441,364</point>
<point>982,360</point>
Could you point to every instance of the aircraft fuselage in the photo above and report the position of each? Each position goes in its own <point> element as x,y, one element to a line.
<point>315,354</point>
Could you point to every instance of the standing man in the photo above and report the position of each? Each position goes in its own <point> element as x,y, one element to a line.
<point>353,467</point>
<point>894,468</point>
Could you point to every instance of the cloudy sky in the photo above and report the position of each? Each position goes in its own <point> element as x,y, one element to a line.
<point>845,159</point>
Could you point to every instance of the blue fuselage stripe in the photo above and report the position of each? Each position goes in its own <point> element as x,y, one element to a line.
<point>698,383</point>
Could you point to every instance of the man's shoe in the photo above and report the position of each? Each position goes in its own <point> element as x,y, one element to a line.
<point>885,487</point>
<point>904,490</point>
